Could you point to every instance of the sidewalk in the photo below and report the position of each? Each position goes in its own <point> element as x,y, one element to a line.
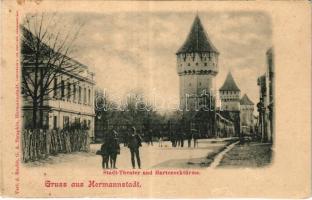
<point>248,155</point>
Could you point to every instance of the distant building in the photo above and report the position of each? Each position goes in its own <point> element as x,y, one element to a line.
<point>230,102</point>
<point>230,94</point>
<point>266,101</point>
<point>246,115</point>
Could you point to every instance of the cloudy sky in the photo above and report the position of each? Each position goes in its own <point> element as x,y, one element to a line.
<point>136,51</point>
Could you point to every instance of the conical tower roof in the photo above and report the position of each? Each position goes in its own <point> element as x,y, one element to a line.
<point>197,40</point>
<point>229,84</point>
<point>245,100</point>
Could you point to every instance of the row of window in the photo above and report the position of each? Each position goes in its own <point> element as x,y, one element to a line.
<point>206,64</point>
<point>225,100</point>
<point>66,122</point>
<point>229,92</point>
<point>71,91</point>
<point>193,56</point>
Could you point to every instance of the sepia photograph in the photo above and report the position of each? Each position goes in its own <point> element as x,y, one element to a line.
<point>148,89</point>
<point>155,99</point>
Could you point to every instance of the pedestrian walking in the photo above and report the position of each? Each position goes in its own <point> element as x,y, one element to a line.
<point>150,137</point>
<point>114,149</point>
<point>125,139</point>
<point>160,139</point>
<point>189,138</point>
<point>196,137</point>
<point>178,139</point>
<point>182,136</point>
<point>134,143</point>
<point>174,139</point>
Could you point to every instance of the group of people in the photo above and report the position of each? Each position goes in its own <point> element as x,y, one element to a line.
<point>177,139</point>
<point>111,148</point>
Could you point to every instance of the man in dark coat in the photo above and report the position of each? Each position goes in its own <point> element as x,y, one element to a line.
<point>114,149</point>
<point>134,143</point>
<point>105,153</point>
<point>189,138</point>
<point>195,137</point>
<point>150,137</point>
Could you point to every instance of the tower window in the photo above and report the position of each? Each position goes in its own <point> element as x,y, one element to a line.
<point>190,84</point>
<point>205,64</point>
<point>188,64</point>
<point>209,56</point>
<point>196,64</point>
<point>199,83</point>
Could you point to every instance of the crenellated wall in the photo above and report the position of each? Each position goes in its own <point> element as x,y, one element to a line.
<point>197,63</point>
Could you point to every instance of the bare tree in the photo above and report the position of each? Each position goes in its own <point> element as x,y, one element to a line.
<point>46,48</point>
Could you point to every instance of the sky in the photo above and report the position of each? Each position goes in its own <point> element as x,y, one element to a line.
<point>135,51</point>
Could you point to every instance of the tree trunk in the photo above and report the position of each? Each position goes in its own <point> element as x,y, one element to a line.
<point>40,124</point>
<point>35,109</point>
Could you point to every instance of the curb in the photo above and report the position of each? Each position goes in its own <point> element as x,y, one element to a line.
<point>220,155</point>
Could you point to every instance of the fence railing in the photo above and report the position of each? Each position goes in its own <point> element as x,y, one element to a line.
<point>39,144</point>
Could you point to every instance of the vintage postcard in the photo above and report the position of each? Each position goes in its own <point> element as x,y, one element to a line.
<point>155,99</point>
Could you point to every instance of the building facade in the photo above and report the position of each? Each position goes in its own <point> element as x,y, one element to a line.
<point>70,101</point>
<point>266,101</point>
